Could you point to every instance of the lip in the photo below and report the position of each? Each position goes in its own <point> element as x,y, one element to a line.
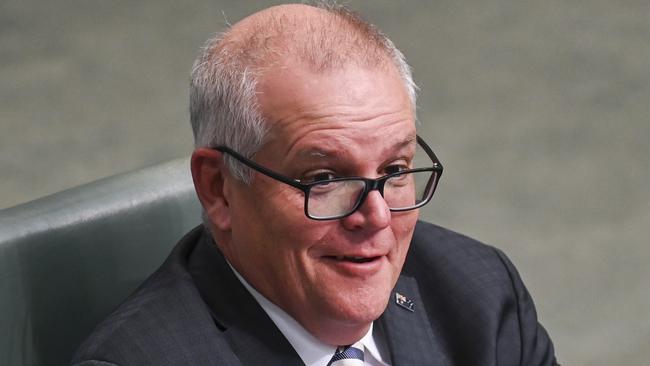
<point>361,265</point>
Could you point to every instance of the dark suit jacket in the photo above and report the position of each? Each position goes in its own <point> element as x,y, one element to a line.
<point>471,309</point>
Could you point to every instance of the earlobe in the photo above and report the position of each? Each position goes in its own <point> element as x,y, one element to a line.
<point>210,181</point>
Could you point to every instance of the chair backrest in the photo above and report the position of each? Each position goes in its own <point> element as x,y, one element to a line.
<point>67,260</point>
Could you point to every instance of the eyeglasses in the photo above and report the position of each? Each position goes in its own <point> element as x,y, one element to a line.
<point>332,199</point>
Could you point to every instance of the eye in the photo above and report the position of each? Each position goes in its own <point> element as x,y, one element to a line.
<point>317,176</point>
<point>395,168</point>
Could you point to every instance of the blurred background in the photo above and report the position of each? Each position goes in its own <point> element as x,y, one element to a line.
<point>539,111</point>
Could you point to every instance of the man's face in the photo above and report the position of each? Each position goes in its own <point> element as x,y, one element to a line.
<point>347,122</point>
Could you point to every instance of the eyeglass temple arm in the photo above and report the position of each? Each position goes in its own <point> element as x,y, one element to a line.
<point>429,151</point>
<point>260,168</point>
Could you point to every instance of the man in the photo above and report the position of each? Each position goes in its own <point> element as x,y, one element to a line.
<point>305,164</point>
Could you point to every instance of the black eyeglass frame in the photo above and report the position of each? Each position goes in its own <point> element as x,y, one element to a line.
<point>369,183</point>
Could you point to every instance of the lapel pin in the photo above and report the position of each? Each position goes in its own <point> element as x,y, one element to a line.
<point>404,302</point>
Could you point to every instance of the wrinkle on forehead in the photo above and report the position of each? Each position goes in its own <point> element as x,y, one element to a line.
<point>344,144</point>
<point>334,132</point>
<point>301,102</point>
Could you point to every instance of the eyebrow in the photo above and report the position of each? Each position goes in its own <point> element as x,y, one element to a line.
<point>322,153</point>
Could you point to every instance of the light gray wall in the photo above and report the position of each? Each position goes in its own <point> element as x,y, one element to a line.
<point>539,111</point>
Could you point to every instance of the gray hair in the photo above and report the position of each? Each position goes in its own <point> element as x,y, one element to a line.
<point>223,106</point>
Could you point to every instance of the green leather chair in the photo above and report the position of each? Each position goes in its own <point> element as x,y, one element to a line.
<point>67,260</point>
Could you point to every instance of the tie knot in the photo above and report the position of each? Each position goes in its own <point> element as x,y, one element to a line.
<point>348,355</point>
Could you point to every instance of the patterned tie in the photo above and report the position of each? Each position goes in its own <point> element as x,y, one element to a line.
<point>348,356</point>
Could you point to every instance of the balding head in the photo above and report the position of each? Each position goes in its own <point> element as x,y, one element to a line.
<point>223,105</point>
<point>319,38</point>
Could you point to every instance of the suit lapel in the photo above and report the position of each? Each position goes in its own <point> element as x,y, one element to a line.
<point>408,332</point>
<point>252,335</point>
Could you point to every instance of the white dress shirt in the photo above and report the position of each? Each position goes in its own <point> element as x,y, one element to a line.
<point>311,350</point>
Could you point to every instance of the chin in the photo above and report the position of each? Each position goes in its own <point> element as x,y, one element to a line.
<point>363,306</point>
<point>349,321</point>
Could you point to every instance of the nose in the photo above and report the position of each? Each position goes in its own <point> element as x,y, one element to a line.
<point>373,214</point>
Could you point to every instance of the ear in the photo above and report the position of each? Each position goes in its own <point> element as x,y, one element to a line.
<point>211,181</point>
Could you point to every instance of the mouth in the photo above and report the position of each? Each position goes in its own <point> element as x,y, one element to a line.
<point>359,266</point>
<point>344,258</point>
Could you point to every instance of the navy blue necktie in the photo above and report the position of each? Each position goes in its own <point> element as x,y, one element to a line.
<point>348,356</point>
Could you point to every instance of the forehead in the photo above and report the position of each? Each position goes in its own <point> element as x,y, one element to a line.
<point>336,111</point>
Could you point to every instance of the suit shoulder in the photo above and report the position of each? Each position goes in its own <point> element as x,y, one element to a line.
<point>164,321</point>
<point>447,258</point>
<point>476,299</point>
<point>437,241</point>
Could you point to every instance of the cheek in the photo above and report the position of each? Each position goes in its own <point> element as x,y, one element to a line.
<point>267,205</point>
<point>276,215</point>
<point>277,201</point>
<point>403,225</point>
